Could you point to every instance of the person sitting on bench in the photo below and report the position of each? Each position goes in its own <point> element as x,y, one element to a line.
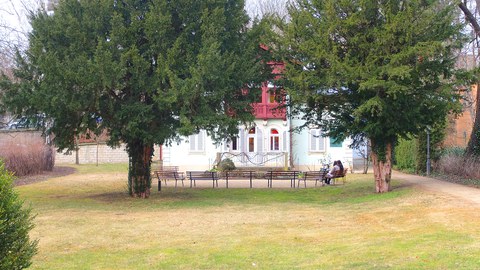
<point>336,170</point>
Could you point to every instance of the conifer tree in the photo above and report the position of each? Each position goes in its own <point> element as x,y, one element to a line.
<point>371,69</point>
<point>16,247</point>
<point>147,72</point>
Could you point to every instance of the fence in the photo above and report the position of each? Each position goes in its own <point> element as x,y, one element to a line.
<point>271,159</point>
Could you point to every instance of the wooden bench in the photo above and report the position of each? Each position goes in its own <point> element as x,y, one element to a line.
<point>282,176</point>
<point>202,175</point>
<point>318,176</point>
<point>229,175</point>
<point>169,168</point>
<point>165,175</point>
<point>340,175</point>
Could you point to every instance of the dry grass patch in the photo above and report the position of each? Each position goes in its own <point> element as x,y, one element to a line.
<point>87,221</point>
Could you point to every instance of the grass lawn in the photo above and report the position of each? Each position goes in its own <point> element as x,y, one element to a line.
<point>87,221</point>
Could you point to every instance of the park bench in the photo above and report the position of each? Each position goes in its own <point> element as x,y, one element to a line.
<point>318,176</point>
<point>169,168</point>
<point>165,175</point>
<point>282,176</point>
<point>342,175</point>
<point>234,175</point>
<point>202,175</point>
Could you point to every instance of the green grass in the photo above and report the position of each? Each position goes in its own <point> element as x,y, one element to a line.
<point>87,221</point>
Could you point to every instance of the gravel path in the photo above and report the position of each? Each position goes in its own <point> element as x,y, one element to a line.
<point>466,193</point>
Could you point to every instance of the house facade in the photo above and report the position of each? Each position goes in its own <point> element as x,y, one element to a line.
<point>460,127</point>
<point>269,142</point>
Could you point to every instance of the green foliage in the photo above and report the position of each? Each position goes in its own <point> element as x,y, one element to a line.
<point>16,248</point>
<point>437,135</point>
<point>406,154</point>
<point>150,70</point>
<point>226,165</point>
<point>375,69</point>
<point>453,151</point>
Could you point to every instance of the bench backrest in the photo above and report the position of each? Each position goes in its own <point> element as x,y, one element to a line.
<point>240,174</point>
<point>169,168</point>
<point>282,174</point>
<point>338,173</point>
<point>202,175</point>
<point>315,174</point>
<point>169,174</point>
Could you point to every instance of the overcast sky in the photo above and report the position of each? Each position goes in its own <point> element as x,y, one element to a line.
<point>14,23</point>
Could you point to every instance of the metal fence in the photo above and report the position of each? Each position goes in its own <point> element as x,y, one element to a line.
<point>272,159</point>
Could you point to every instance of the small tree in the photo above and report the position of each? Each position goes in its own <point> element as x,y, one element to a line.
<point>16,248</point>
<point>374,69</point>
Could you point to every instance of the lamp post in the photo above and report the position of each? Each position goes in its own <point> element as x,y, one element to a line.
<point>428,150</point>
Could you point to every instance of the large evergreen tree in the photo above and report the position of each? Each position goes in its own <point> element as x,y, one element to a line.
<point>376,69</point>
<point>147,71</point>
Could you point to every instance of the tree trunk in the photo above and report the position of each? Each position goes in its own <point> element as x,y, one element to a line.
<point>139,180</point>
<point>473,147</point>
<point>382,166</point>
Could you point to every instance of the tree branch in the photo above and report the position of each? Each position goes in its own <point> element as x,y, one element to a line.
<point>470,18</point>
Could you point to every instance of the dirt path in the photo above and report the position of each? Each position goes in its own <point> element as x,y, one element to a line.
<point>470,194</point>
<point>56,172</point>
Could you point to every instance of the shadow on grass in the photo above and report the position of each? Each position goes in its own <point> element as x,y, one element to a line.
<point>207,197</point>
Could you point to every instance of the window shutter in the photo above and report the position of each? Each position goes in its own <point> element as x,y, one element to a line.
<point>242,146</point>
<point>313,140</point>
<point>191,139</point>
<point>284,140</point>
<point>201,141</point>
<point>321,142</point>
<point>259,140</point>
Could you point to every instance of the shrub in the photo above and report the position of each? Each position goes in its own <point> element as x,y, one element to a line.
<point>16,248</point>
<point>226,165</point>
<point>406,154</point>
<point>26,159</point>
<point>453,162</point>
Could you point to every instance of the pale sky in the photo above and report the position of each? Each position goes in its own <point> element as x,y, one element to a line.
<point>14,23</point>
<point>13,19</point>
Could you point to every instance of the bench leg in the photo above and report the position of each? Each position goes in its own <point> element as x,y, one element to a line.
<point>160,185</point>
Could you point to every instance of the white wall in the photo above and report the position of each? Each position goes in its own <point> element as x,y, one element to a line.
<point>304,159</point>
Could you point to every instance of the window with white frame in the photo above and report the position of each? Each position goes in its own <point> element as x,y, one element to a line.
<point>316,141</point>
<point>274,140</point>
<point>235,144</point>
<point>197,142</point>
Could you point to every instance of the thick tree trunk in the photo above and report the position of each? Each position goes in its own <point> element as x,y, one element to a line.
<point>473,147</point>
<point>382,166</point>
<point>139,180</point>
